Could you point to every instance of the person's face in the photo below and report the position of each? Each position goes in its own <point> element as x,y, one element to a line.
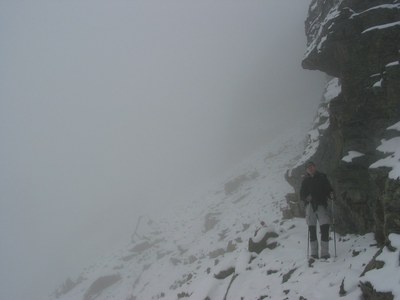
<point>311,169</point>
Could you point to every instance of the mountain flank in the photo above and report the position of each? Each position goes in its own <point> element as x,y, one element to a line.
<point>246,238</point>
<point>357,43</point>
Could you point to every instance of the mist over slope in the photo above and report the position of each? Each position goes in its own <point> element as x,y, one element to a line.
<point>232,243</point>
<point>166,255</point>
<point>221,252</point>
<point>112,109</point>
<point>244,239</point>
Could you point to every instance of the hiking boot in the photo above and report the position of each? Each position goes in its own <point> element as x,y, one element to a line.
<point>326,256</point>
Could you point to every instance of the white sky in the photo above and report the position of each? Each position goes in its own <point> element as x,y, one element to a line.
<point>109,109</point>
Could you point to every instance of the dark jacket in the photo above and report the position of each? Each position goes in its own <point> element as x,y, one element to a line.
<point>318,187</point>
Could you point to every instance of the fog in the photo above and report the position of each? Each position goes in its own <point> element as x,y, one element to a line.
<point>114,109</point>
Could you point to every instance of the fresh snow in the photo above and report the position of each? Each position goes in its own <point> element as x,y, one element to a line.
<point>351,155</point>
<point>321,122</point>
<point>179,256</point>
<point>333,89</point>
<point>383,6</point>
<point>311,147</point>
<point>391,146</point>
<point>325,125</point>
<point>314,6</point>
<point>383,26</point>
<point>321,43</point>
<point>378,83</point>
<point>395,127</point>
<point>395,63</point>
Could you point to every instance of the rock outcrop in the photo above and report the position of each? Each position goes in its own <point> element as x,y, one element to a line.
<point>357,43</point>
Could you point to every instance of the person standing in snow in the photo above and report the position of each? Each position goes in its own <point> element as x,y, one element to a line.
<point>314,192</point>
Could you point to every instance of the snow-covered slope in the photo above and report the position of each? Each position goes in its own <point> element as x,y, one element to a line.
<point>202,251</point>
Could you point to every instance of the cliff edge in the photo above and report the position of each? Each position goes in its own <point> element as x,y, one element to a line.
<point>356,135</point>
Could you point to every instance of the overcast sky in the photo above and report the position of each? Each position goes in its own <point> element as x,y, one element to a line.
<point>109,109</point>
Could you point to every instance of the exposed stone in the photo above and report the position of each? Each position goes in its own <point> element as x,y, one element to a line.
<point>179,283</point>
<point>342,291</point>
<point>287,276</point>
<point>258,247</point>
<point>100,284</point>
<point>225,273</point>
<point>272,245</point>
<point>175,261</point>
<point>241,198</point>
<point>68,285</point>
<point>128,257</point>
<point>369,293</point>
<point>295,209</point>
<point>210,221</point>
<point>231,247</point>
<point>245,227</point>
<point>144,246</point>
<point>233,185</point>
<point>374,264</point>
<point>191,259</point>
<point>183,295</point>
<point>216,253</point>
<point>141,247</point>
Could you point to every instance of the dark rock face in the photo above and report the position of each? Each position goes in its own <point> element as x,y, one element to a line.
<point>357,42</point>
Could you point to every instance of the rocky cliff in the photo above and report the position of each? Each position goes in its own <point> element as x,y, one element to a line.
<point>357,43</point>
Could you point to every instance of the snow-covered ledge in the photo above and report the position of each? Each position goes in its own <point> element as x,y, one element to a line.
<point>392,147</point>
<point>351,155</point>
